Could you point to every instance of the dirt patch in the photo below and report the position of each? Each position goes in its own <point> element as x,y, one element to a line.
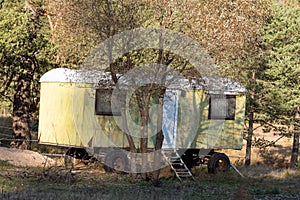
<point>24,158</point>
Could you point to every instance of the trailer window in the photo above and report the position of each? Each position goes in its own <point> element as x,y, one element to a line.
<point>103,103</point>
<point>222,107</point>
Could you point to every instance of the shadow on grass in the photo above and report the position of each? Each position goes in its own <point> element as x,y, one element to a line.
<point>37,183</point>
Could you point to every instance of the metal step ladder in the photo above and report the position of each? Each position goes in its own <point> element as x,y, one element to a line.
<point>177,164</point>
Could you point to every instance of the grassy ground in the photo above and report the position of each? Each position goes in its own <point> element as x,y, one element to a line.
<point>92,183</point>
<point>266,179</point>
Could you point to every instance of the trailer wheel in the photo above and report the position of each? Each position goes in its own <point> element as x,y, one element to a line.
<point>116,161</point>
<point>218,162</point>
<point>74,156</point>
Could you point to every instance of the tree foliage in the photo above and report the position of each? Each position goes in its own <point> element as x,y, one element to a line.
<point>281,83</point>
<point>282,49</point>
<point>266,62</point>
<point>78,26</point>
<point>25,52</point>
<point>228,30</point>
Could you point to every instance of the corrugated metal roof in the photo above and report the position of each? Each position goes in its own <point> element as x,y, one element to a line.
<point>103,79</point>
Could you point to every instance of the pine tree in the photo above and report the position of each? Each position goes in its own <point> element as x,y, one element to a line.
<point>281,83</point>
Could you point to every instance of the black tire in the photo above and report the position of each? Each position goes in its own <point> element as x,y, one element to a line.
<point>75,156</point>
<point>191,158</point>
<point>218,162</point>
<point>116,161</point>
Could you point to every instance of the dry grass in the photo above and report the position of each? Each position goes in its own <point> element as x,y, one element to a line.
<point>266,178</point>
<point>277,156</point>
<point>90,182</point>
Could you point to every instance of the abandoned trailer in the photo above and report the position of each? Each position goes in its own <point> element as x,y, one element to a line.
<point>198,119</point>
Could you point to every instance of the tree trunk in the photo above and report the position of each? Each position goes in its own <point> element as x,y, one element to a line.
<point>132,155</point>
<point>144,134</point>
<point>22,95</point>
<point>249,141</point>
<point>132,147</point>
<point>295,148</point>
<point>159,132</point>
<point>251,122</point>
<point>159,140</point>
<point>21,112</point>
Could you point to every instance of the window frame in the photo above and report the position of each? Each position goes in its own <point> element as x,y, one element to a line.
<point>100,110</point>
<point>231,107</point>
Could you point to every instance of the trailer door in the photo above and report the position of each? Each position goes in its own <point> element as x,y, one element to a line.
<point>170,115</point>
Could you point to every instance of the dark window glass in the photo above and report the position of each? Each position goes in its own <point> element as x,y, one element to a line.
<point>222,107</point>
<point>103,103</point>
